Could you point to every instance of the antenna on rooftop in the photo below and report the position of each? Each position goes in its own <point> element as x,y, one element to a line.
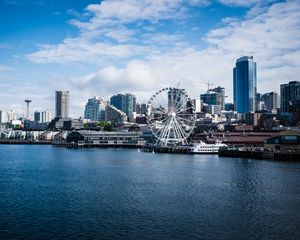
<point>208,85</point>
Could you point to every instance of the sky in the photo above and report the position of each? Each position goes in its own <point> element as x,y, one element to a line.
<point>100,48</point>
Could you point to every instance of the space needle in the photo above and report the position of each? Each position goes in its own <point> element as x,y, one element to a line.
<point>28,101</point>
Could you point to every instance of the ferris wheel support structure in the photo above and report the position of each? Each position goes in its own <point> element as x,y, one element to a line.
<point>171,116</point>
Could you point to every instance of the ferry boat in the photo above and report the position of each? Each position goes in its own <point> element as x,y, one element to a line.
<point>206,148</point>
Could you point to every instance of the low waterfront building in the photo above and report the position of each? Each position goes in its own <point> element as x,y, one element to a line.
<point>242,138</point>
<point>287,140</point>
<point>90,138</point>
<point>67,124</point>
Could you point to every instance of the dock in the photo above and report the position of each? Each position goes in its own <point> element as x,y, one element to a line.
<point>262,155</point>
<point>167,149</point>
<point>25,142</point>
<point>95,145</point>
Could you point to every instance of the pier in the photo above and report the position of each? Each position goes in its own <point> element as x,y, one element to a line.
<point>95,145</point>
<point>26,142</point>
<point>262,155</point>
<point>167,149</point>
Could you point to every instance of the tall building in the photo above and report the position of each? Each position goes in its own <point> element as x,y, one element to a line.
<point>211,98</point>
<point>221,92</point>
<point>11,115</point>
<point>46,117</point>
<point>94,109</point>
<point>271,100</point>
<point>288,93</point>
<point>244,85</point>
<point>114,114</point>
<point>124,102</point>
<point>37,116</point>
<point>258,101</point>
<point>3,116</point>
<point>62,104</point>
<point>176,98</point>
<point>141,108</point>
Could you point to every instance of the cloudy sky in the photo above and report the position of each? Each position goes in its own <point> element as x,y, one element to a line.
<point>106,47</point>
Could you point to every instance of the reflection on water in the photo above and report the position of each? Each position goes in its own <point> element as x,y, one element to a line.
<point>58,193</point>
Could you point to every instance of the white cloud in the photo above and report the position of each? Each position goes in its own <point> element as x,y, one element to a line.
<point>272,37</point>
<point>244,3</point>
<point>4,68</point>
<point>104,31</point>
<point>269,33</point>
<point>82,50</point>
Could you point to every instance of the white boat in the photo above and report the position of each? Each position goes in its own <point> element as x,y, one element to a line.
<point>202,147</point>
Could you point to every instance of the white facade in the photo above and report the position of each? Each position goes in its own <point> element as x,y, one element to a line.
<point>3,117</point>
<point>6,117</point>
<point>46,117</point>
<point>94,109</point>
<point>114,115</point>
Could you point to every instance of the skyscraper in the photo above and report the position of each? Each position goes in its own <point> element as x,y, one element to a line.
<point>214,96</point>
<point>176,98</point>
<point>244,85</point>
<point>94,109</point>
<point>124,102</point>
<point>62,104</point>
<point>37,116</point>
<point>3,116</point>
<point>271,100</point>
<point>288,93</point>
<point>221,92</point>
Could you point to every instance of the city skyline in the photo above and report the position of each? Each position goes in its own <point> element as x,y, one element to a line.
<point>108,47</point>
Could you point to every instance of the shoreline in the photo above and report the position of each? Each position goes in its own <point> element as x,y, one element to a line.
<point>262,155</point>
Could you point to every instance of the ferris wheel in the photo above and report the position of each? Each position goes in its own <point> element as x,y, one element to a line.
<point>171,116</point>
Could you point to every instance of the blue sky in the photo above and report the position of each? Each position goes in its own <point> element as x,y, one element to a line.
<point>106,47</point>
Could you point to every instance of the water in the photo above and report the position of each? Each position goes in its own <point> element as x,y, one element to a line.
<point>58,193</point>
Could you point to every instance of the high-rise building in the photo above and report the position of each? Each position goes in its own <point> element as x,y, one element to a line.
<point>221,99</point>
<point>3,116</point>
<point>288,93</point>
<point>130,102</point>
<point>11,115</point>
<point>176,98</point>
<point>46,117</point>
<point>211,98</point>
<point>244,85</point>
<point>94,109</point>
<point>62,104</point>
<point>114,114</point>
<point>124,102</point>
<point>271,100</point>
<point>37,116</point>
<point>258,101</point>
<point>141,108</point>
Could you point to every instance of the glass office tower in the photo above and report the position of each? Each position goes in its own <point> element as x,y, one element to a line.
<point>288,93</point>
<point>124,102</point>
<point>244,85</point>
